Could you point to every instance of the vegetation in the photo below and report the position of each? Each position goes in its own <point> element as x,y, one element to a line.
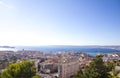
<point>36,76</point>
<point>23,69</point>
<point>96,69</point>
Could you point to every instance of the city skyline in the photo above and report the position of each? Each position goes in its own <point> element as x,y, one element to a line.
<point>59,22</point>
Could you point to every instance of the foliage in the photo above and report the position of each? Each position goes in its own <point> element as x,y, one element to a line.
<point>23,69</point>
<point>115,73</point>
<point>96,69</point>
<point>110,65</point>
<point>36,76</point>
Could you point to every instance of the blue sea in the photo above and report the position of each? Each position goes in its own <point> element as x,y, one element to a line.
<point>53,49</point>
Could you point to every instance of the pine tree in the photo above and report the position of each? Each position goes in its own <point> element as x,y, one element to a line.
<point>96,69</point>
<point>23,69</point>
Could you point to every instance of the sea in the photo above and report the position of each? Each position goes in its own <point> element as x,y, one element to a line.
<point>90,50</point>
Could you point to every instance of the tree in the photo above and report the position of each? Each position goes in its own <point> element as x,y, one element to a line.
<point>23,69</point>
<point>79,74</point>
<point>110,66</point>
<point>36,76</point>
<point>96,69</point>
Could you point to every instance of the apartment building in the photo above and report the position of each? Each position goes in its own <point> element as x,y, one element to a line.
<point>67,69</point>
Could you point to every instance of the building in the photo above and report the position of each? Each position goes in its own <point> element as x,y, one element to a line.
<point>68,69</point>
<point>48,67</point>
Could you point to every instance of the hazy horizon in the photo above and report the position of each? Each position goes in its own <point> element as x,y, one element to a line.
<point>58,45</point>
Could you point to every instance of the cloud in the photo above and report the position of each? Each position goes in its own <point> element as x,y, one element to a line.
<point>5,4</point>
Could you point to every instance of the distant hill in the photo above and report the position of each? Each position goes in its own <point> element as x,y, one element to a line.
<point>111,47</point>
<point>6,47</point>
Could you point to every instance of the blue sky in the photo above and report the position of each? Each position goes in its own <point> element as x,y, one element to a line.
<point>59,22</point>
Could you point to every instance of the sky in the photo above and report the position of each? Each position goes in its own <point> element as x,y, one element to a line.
<point>59,22</point>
